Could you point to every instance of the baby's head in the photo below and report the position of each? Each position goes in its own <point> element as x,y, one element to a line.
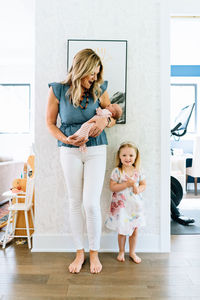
<point>115,109</point>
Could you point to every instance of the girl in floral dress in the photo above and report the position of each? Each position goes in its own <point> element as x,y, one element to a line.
<point>126,210</point>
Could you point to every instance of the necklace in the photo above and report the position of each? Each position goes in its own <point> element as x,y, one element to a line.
<point>85,95</point>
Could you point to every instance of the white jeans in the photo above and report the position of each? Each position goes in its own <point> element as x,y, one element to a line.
<point>84,176</point>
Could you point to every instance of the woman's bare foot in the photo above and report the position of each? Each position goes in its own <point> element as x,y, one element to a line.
<point>135,258</point>
<point>76,265</point>
<point>95,265</point>
<point>120,256</point>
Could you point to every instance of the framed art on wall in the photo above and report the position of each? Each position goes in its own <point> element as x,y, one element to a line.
<point>113,54</point>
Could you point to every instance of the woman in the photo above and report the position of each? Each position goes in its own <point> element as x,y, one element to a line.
<point>76,100</point>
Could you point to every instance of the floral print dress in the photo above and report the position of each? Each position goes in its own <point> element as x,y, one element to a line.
<point>126,209</point>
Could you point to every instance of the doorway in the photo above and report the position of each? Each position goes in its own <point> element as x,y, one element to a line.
<point>184,90</point>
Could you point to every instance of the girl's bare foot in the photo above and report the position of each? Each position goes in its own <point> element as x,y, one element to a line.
<point>135,258</point>
<point>76,265</point>
<point>95,265</point>
<point>120,256</point>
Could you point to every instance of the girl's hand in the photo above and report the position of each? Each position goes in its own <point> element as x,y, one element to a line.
<point>76,141</point>
<point>98,127</point>
<point>136,189</point>
<point>130,182</point>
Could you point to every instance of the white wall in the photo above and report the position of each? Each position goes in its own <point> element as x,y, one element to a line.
<point>184,7</point>
<point>185,42</point>
<point>17,64</point>
<point>139,22</point>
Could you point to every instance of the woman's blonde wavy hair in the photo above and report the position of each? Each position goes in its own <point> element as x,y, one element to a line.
<point>84,63</point>
<point>137,159</point>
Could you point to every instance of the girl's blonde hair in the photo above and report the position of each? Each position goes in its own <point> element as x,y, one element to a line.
<point>137,159</point>
<point>84,63</point>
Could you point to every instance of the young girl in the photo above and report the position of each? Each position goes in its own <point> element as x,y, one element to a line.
<point>126,211</point>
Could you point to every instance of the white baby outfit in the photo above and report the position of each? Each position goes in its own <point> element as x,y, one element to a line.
<point>126,209</point>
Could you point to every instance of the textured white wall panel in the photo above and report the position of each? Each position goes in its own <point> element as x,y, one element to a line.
<point>136,21</point>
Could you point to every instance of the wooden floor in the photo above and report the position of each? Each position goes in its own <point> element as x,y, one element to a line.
<point>175,276</point>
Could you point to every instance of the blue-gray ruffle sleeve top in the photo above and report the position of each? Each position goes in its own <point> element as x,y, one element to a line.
<point>73,117</point>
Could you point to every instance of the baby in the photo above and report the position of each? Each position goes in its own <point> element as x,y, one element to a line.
<point>112,110</point>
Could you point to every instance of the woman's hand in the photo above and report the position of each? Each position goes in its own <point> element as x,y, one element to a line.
<point>98,127</point>
<point>76,141</point>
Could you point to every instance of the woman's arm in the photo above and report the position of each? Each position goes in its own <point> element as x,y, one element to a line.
<point>100,124</point>
<point>51,119</point>
<point>105,101</point>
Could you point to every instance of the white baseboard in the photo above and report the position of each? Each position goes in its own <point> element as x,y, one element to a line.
<point>64,243</point>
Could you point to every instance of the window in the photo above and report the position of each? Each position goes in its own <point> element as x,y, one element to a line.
<point>181,96</point>
<point>185,69</point>
<point>15,108</point>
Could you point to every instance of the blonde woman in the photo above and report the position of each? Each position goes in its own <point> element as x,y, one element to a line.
<point>76,101</point>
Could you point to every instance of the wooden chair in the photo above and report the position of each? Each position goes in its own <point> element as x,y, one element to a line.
<point>14,208</point>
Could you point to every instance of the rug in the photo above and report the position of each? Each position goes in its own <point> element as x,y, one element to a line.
<point>192,229</point>
<point>4,215</point>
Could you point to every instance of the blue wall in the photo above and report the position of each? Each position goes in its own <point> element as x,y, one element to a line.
<point>185,70</point>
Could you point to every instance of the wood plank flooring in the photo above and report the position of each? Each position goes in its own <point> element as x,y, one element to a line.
<point>30,276</point>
